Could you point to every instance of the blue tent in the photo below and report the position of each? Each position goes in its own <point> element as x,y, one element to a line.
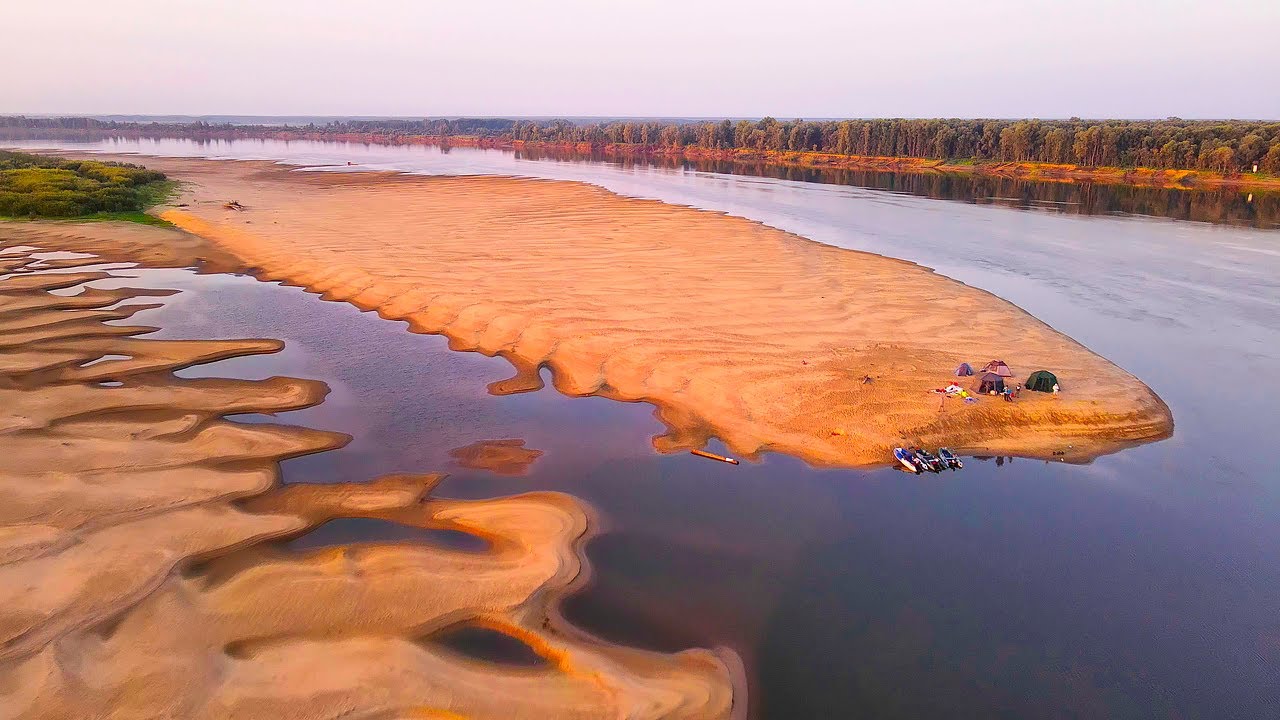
<point>964,370</point>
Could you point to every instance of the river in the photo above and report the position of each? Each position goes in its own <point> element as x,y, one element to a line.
<point>1144,584</point>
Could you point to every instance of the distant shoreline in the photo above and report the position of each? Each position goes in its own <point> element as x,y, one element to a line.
<point>1031,171</point>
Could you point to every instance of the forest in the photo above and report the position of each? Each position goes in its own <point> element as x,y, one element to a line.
<point>39,186</point>
<point>1223,146</point>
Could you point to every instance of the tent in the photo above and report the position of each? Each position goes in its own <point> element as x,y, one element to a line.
<point>998,367</point>
<point>990,381</point>
<point>1042,381</point>
<point>965,370</point>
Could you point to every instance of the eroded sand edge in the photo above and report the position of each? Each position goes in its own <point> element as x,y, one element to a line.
<point>137,574</point>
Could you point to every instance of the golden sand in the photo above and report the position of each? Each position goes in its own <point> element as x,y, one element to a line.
<point>137,574</point>
<point>731,328</point>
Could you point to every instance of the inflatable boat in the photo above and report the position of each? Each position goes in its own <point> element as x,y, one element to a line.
<point>950,459</point>
<point>908,460</point>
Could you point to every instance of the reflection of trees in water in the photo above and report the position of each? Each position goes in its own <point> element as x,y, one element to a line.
<point>1227,206</point>
<point>1218,206</point>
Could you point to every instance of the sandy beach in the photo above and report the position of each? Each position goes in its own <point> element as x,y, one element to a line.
<point>732,329</point>
<point>137,572</point>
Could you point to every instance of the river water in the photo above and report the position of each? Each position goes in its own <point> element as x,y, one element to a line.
<point>1145,584</point>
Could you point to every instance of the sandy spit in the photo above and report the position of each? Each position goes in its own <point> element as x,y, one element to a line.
<point>730,328</point>
<point>140,575</point>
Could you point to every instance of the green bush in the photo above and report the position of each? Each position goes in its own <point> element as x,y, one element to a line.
<point>39,186</point>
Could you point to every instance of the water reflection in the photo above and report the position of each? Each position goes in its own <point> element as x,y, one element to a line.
<point>1221,205</point>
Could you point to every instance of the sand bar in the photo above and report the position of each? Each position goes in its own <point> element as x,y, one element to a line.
<point>730,328</point>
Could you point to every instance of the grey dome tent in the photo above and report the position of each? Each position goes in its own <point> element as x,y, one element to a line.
<point>990,381</point>
<point>1042,381</point>
<point>965,370</point>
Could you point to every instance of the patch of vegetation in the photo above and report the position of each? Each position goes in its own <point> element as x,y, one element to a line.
<point>46,187</point>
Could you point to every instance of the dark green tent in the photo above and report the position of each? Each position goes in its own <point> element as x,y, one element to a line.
<point>1042,381</point>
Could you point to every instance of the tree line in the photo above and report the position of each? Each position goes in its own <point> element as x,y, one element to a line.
<point>1230,146</point>
<point>1226,146</point>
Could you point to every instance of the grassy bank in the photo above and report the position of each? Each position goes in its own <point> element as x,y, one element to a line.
<point>34,187</point>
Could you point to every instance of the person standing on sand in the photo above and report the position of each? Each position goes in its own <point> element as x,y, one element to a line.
<point>1055,388</point>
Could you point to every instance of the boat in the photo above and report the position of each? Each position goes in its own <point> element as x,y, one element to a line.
<point>930,463</point>
<point>908,460</point>
<point>950,459</point>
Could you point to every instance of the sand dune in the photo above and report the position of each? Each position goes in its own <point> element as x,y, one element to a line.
<point>731,328</point>
<point>138,577</point>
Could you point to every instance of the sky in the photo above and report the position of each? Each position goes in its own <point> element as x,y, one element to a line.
<point>692,58</point>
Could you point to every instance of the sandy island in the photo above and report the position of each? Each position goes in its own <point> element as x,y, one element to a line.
<point>502,457</point>
<point>138,573</point>
<point>732,329</point>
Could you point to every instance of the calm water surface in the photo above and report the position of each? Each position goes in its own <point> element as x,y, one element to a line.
<point>1146,584</point>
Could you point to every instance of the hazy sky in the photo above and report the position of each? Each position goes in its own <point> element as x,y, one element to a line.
<point>788,58</point>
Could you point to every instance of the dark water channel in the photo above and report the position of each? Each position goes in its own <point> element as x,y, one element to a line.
<point>1146,584</point>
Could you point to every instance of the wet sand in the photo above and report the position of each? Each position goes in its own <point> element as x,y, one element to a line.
<point>138,577</point>
<point>730,328</point>
<point>502,457</point>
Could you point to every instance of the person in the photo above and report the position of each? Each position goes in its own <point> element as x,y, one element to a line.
<point>1055,388</point>
<point>1017,390</point>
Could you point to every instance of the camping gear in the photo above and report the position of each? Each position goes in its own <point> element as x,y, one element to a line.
<point>908,460</point>
<point>1042,381</point>
<point>950,459</point>
<point>965,370</point>
<point>998,367</point>
<point>990,382</point>
<point>713,456</point>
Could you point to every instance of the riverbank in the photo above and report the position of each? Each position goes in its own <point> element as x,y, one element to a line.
<point>1167,178</point>
<point>731,329</point>
<point>1029,171</point>
<point>109,454</point>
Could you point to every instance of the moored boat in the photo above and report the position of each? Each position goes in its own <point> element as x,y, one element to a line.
<point>950,459</point>
<point>908,460</point>
<point>930,463</point>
